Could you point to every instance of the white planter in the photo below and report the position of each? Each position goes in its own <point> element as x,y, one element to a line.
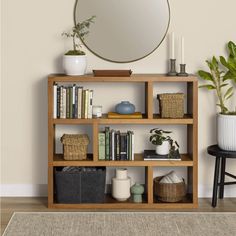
<point>163,149</point>
<point>226,132</point>
<point>74,65</point>
<point>121,185</point>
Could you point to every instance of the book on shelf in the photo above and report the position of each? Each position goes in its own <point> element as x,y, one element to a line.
<point>72,102</point>
<point>150,155</point>
<point>118,146</point>
<point>114,115</point>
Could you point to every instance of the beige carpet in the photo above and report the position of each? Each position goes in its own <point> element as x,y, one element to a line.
<point>124,224</point>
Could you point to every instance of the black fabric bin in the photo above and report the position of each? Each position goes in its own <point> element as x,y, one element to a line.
<point>80,186</point>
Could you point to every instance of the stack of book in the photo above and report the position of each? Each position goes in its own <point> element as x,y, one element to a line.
<point>72,102</point>
<point>115,145</point>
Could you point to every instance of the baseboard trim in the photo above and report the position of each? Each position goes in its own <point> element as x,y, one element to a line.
<point>23,190</point>
<point>40,190</point>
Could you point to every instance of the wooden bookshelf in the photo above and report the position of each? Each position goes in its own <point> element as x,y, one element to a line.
<point>188,160</point>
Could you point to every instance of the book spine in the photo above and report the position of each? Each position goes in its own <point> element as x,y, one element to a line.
<point>64,103</point>
<point>58,102</point>
<point>80,91</point>
<point>123,153</point>
<point>132,138</point>
<point>101,146</point>
<point>90,105</point>
<point>83,103</point>
<point>76,103</point>
<point>54,101</point>
<point>107,138</point>
<point>86,103</point>
<point>61,101</point>
<point>67,103</point>
<point>112,145</point>
<point>118,145</point>
<point>71,102</point>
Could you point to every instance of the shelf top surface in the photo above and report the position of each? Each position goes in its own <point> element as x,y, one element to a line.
<point>132,78</point>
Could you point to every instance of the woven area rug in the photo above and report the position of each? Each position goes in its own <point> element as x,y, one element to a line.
<point>125,224</point>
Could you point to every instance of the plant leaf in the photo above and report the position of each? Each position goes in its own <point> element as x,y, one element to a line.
<point>208,86</point>
<point>228,92</point>
<point>205,75</point>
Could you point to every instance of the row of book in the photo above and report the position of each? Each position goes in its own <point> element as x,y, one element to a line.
<point>72,102</point>
<point>115,145</point>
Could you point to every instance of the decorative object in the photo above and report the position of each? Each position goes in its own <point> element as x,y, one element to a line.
<point>165,145</point>
<point>123,223</point>
<point>137,190</point>
<point>109,73</point>
<point>74,61</point>
<point>220,166</point>
<point>125,108</point>
<point>171,177</point>
<point>115,115</point>
<point>116,37</point>
<point>75,146</point>
<point>182,70</point>
<point>172,71</point>
<point>97,111</point>
<point>169,192</point>
<point>219,80</point>
<point>80,184</point>
<point>150,155</point>
<point>171,105</point>
<point>121,185</point>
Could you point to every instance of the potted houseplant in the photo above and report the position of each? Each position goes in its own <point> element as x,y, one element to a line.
<point>165,145</point>
<point>74,61</point>
<point>220,78</point>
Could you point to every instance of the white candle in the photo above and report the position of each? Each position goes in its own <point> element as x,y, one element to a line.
<point>173,45</point>
<point>182,50</point>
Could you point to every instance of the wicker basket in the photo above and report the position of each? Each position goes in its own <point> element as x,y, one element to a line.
<point>75,146</point>
<point>169,192</point>
<point>171,105</point>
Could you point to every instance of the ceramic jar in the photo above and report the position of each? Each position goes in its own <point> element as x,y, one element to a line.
<point>226,132</point>
<point>137,190</point>
<point>74,65</point>
<point>163,149</point>
<point>121,185</point>
<point>125,107</point>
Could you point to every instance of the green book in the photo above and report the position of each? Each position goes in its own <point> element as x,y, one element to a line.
<point>107,142</point>
<point>101,146</point>
<point>71,102</point>
<point>67,104</point>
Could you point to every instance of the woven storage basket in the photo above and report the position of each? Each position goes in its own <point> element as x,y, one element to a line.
<point>75,146</point>
<point>171,105</point>
<point>169,192</point>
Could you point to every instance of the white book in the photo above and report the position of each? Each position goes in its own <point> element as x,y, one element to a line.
<point>61,102</point>
<point>90,105</point>
<point>80,90</point>
<point>86,103</point>
<point>113,145</point>
<point>64,103</point>
<point>73,100</point>
<point>55,101</point>
<point>132,138</point>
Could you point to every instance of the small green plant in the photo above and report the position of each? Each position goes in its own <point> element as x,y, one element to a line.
<point>158,136</point>
<point>221,72</point>
<point>79,31</point>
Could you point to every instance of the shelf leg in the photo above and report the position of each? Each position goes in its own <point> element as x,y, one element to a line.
<point>149,184</point>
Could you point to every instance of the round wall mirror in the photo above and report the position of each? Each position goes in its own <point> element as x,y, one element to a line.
<point>124,30</point>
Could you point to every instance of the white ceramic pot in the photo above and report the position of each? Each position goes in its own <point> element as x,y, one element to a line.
<point>74,65</point>
<point>163,149</point>
<point>226,132</point>
<point>121,185</point>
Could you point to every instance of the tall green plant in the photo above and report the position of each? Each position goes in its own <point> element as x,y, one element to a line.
<point>217,77</point>
<point>79,31</point>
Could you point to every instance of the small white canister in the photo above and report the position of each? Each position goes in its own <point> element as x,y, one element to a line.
<point>97,111</point>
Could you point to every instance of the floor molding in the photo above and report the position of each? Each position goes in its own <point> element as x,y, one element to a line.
<point>40,190</point>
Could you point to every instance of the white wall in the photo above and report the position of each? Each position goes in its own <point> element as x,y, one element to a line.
<point>32,48</point>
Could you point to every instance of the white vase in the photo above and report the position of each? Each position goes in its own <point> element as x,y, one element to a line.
<point>121,185</point>
<point>226,132</point>
<point>74,65</point>
<point>163,149</point>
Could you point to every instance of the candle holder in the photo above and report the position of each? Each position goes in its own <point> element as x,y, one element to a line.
<point>172,71</point>
<point>182,70</point>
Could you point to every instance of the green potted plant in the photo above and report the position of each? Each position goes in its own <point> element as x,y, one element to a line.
<point>220,78</point>
<point>74,61</point>
<point>165,145</point>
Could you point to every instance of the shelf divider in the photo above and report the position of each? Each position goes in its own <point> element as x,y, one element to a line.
<point>149,99</point>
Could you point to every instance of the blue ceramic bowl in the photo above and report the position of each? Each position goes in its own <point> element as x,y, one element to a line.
<point>125,108</point>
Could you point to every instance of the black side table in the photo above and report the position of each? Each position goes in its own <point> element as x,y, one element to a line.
<point>221,157</point>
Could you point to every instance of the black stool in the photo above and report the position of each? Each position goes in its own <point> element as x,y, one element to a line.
<point>221,156</point>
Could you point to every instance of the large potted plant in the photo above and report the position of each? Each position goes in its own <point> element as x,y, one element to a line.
<point>74,61</point>
<point>220,79</point>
